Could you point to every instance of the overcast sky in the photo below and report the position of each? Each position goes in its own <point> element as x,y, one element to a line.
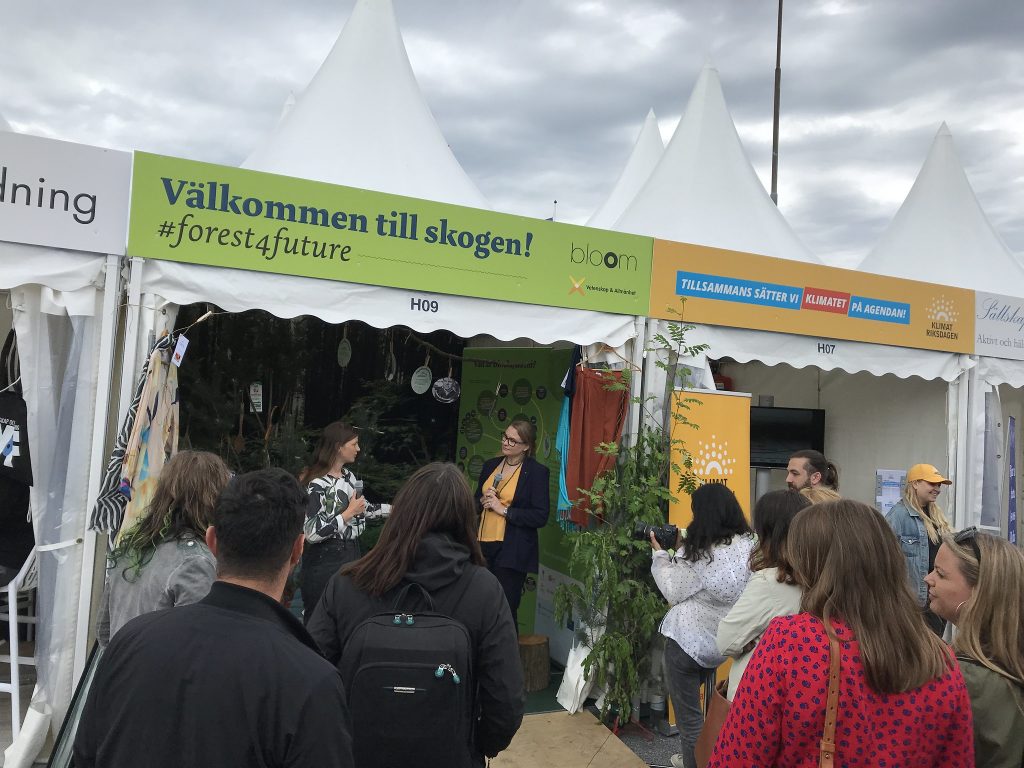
<point>542,99</point>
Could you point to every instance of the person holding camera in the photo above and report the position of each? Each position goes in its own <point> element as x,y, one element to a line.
<point>336,513</point>
<point>513,491</point>
<point>701,581</point>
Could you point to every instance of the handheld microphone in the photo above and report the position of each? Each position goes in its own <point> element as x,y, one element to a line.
<point>497,479</point>
<point>357,488</point>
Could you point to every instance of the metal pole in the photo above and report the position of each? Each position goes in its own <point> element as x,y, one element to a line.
<point>775,117</point>
<point>105,369</point>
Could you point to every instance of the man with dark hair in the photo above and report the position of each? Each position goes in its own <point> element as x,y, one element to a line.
<point>233,680</point>
<point>809,469</point>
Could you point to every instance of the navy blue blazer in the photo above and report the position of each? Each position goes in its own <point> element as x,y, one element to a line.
<point>530,508</point>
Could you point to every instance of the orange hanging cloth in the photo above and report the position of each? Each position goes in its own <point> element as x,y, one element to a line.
<point>598,416</point>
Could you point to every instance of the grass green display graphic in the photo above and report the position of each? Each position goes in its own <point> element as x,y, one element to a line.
<point>499,386</point>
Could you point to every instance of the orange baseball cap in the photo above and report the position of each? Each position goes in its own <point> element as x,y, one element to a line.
<point>928,473</point>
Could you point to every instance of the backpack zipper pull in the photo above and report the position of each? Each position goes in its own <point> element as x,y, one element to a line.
<point>442,668</point>
<point>398,618</point>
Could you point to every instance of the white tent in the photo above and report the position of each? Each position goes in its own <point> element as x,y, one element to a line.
<point>941,234</point>
<point>647,151</point>
<point>62,305</point>
<point>705,191</point>
<point>363,122</point>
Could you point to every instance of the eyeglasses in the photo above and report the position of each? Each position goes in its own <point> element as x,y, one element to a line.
<point>969,536</point>
<point>511,440</point>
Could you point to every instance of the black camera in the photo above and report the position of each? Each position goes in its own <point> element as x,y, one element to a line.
<point>666,535</point>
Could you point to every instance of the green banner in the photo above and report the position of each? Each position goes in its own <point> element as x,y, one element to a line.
<point>182,210</point>
<point>501,385</point>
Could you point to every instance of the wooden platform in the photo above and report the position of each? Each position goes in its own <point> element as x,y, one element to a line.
<point>561,740</point>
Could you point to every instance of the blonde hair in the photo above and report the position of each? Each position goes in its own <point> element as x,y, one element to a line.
<point>819,493</point>
<point>935,523</point>
<point>831,546</point>
<point>990,624</point>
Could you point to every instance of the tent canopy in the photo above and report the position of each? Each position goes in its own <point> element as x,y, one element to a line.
<point>337,302</point>
<point>647,151</point>
<point>771,348</point>
<point>705,191</point>
<point>940,234</point>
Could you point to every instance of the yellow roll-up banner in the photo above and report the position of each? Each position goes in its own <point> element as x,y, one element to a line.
<point>720,445</point>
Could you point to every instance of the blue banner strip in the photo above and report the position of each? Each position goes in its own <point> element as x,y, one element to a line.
<point>878,309</point>
<point>741,291</point>
<point>1011,518</point>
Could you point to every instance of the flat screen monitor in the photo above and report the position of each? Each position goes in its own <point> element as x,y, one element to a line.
<point>778,433</point>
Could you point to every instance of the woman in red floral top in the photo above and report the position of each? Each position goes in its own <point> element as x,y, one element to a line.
<point>902,699</point>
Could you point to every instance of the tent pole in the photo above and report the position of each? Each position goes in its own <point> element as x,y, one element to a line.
<point>775,111</point>
<point>636,376</point>
<point>105,364</point>
<point>129,362</point>
<point>963,452</point>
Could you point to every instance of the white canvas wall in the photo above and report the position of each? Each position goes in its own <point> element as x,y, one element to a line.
<point>871,422</point>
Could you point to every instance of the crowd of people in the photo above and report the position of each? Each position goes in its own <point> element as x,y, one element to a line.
<point>833,615</point>
<point>835,622</point>
<point>231,676</point>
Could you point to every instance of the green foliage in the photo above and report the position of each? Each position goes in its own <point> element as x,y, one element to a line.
<point>395,439</point>
<point>616,605</point>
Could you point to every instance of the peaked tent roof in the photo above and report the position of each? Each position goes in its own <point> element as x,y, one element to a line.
<point>396,147</point>
<point>363,121</point>
<point>647,151</point>
<point>705,191</point>
<point>940,234</point>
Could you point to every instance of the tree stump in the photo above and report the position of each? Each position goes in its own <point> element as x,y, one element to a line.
<point>536,659</point>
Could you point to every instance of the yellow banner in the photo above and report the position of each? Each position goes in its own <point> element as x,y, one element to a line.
<point>720,446</point>
<point>742,290</point>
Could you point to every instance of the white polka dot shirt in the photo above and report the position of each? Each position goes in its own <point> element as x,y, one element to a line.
<point>701,595</point>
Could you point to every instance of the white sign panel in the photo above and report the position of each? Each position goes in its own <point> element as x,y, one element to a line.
<point>560,637</point>
<point>63,195</point>
<point>999,326</point>
<point>888,488</point>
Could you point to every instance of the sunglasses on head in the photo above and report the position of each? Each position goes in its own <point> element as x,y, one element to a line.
<point>969,536</point>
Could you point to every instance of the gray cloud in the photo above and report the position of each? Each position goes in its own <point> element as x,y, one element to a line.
<point>542,99</point>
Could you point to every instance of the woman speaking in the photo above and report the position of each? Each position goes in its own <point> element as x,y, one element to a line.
<point>513,490</point>
<point>336,514</point>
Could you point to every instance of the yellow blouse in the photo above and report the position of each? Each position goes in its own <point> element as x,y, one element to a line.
<point>492,525</point>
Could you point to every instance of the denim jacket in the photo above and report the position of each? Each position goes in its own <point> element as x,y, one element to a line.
<point>913,538</point>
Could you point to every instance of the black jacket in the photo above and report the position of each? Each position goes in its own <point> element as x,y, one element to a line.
<point>531,506</point>
<point>233,680</point>
<point>483,609</point>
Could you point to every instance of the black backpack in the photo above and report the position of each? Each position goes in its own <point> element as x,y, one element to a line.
<point>410,687</point>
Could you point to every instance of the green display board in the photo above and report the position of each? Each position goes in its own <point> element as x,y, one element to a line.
<point>499,386</point>
<point>183,210</point>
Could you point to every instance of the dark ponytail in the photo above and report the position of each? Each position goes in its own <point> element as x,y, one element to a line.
<point>818,463</point>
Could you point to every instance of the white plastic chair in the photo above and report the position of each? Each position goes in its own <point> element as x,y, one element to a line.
<point>19,597</point>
